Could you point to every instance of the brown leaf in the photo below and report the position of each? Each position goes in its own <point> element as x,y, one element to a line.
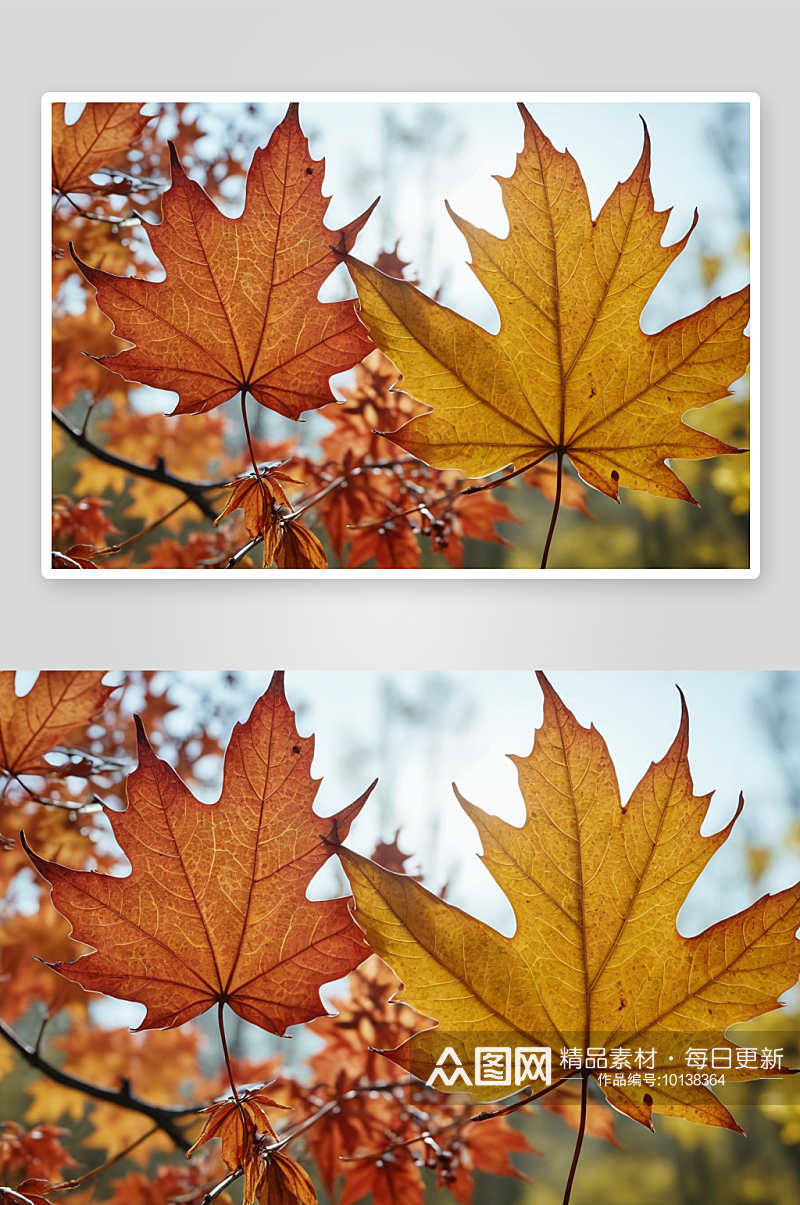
<point>238,311</point>
<point>238,1124</point>
<point>215,909</point>
<point>393,543</point>
<point>58,702</point>
<point>83,148</point>
<point>299,548</point>
<point>286,1183</point>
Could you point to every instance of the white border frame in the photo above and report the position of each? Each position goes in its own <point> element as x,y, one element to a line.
<point>750,98</point>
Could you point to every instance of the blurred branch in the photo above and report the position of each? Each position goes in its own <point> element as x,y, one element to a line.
<point>195,491</point>
<point>166,1117</point>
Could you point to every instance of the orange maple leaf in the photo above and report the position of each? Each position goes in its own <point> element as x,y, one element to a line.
<point>239,1123</point>
<point>57,703</point>
<point>214,910</point>
<point>101,131</point>
<point>238,311</point>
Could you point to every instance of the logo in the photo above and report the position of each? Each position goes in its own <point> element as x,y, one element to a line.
<point>493,1067</point>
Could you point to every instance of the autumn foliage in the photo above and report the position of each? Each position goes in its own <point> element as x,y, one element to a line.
<point>385,477</point>
<point>213,912</point>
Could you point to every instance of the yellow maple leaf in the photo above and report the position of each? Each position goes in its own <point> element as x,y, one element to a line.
<point>570,373</point>
<point>596,962</point>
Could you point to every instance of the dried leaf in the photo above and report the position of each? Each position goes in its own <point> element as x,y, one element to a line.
<point>286,1183</point>
<point>299,548</point>
<point>393,543</point>
<point>238,1124</point>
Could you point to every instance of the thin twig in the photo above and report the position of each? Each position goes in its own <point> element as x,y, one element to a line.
<point>195,491</point>
<point>166,1117</point>
<point>114,548</point>
<point>218,1189</point>
<point>91,805</point>
<point>492,485</point>
<point>133,219</point>
<point>242,553</point>
<point>65,1185</point>
<point>367,467</point>
<point>486,1115</point>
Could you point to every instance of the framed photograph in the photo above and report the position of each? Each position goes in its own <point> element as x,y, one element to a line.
<point>435,335</point>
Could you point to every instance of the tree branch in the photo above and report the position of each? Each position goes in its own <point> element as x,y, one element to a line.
<point>485,1115</point>
<point>195,491</point>
<point>166,1117</point>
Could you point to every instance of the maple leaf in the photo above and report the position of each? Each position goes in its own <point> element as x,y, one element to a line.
<point>391,1179</point>
<point>238,311</point>
<point>238,1123</point>
<point>596,959</point>
<point>366,1019</point>
<point>299,548</point>
<point>390,855</point>
<point>85,519</point>
<point>472,516</point>
<point>214,910</point>
<point>82,148</point>
<point>58,702</point>
<point>263,501</point>
<point>370,405</point>
<point>570,372</point>
<point>390,263</point>
<point>392,542</point>
<point>285,1182</point>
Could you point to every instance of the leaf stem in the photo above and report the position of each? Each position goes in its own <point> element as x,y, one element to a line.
<point>556,506</point>
<point>221,1020</point>
<point>579,1143</point>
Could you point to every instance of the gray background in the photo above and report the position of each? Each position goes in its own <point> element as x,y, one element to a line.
<point>371,46</point>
